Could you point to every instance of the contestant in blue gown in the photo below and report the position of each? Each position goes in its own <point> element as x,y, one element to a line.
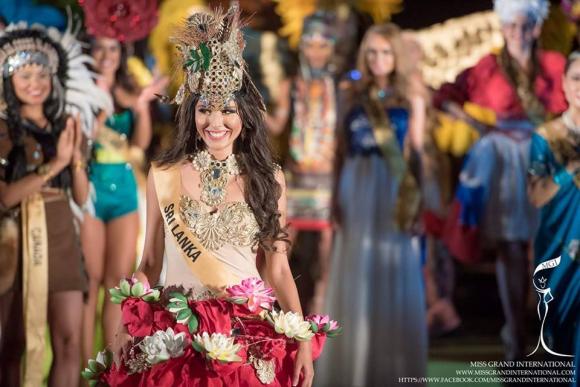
<point>555,188</point>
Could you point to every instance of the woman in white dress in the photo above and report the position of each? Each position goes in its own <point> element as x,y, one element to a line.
<point>214,200</point>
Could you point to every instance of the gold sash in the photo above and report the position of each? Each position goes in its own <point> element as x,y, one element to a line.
<point>204,265</point>
<point>409,196</point>
<point>34,286</point>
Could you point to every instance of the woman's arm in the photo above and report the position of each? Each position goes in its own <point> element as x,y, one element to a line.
<point>277,121</point>
<point>346,97</point>
<point>418,95</point>
<point>339,156</point>
<point>541,190</point>
<point>150,267</point>
<point>280,278</point>
<point>417,122</point>
<point>152,259</point>
<point>278,271</point>
<point>151,263</point>
<point>542,186</point>
<point>12,194</point>
<point>80,180</point>
<point>143,127</point>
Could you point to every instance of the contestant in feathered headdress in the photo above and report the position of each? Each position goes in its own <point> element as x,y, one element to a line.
<point>507,10</point>
<point>61,53</point>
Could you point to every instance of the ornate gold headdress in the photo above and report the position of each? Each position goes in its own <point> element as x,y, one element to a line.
<point>211,46</point>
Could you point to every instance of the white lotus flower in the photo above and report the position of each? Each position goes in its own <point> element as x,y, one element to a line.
<point>104,358</point>
<point>163,345</point>
<point>174,343</point>
<point>155,348</point>
<point>292,325</point>
<point>218,346</point>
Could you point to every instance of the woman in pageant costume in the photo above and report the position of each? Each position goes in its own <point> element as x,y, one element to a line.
<point>310,99</point>
<point>213,200</point>
<point>518,89</point>
<point>110,230</point>
<point>42,166</point>
<point>375,281</point>
<point>554,186</point>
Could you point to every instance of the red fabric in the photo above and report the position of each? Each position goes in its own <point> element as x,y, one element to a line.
<point>142,318</point>
<point>214,315</point>
<point>309,224</point>
<point>192,369</point>
<point>462,241</point>
<point>486,85</point>
<point>434,224</point>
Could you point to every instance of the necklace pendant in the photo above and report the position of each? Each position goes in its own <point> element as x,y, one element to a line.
<point>214,176</point>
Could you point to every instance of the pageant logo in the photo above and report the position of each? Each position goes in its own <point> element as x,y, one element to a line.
<point>544,298</point>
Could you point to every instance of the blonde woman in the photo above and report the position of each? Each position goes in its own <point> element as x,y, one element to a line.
<point>375,282</point>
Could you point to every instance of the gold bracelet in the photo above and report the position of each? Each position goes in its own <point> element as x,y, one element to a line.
<point>45,171</point>
<point>79,165</point>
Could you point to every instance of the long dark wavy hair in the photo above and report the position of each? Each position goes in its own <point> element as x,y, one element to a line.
<point>252,147</point>
<point>18,128</point>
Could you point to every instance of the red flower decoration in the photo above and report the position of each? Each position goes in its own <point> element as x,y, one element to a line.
<point>124,20</point>
<point>137,316</point>
<point>261,337</point>
<point>163,319</point>
<point>213,315</point>
<point>143,319</point>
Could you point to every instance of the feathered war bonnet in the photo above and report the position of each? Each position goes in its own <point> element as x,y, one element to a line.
<point>73,85</point>
<point>211,46</point>
<point>507,10</point>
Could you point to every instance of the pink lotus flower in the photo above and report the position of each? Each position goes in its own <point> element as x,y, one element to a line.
<point>132,287</point>
<point>133,280</point>
<point>323,322</point>
<point>254,292</point>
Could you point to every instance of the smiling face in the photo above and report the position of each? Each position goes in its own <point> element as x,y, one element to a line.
<point>379,55</point>
<point>520,33</point>
<point>107,55</point>
<point>32,84</point>
<point>218,128</point>
<point>572,85</point>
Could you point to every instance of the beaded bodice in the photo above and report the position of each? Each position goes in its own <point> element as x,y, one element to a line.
<point>233,223</point>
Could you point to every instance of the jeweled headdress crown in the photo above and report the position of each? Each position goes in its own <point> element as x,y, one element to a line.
<point>211,46</point>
